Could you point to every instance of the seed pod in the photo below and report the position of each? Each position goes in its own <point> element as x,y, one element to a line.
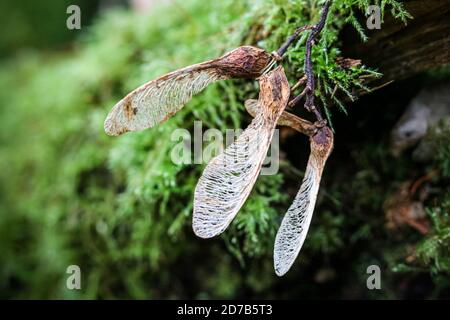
<point>157,100</point>
<point>286,119</point>
<point>295,224</point>
<point>228,178</point>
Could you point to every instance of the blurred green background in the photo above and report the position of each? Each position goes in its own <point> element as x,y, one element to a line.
<point>121,210</point>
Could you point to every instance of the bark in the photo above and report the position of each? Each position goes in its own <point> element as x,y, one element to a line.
<point>400,51</point>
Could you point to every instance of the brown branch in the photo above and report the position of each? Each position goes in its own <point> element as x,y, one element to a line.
<point>310,83</point>
<point>280,52</point>
<point>309,72</point>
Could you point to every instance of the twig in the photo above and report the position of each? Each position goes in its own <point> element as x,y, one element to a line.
<point>299,83</point>
<point>294,101</point>
<point>310,83</point>
<point>309,73</point>
<point>382,85</point>
<point>280,52</point>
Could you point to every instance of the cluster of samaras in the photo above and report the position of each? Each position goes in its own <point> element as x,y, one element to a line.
<point>229,177</point>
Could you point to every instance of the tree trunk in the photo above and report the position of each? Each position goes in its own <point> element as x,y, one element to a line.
<point>400,51</point>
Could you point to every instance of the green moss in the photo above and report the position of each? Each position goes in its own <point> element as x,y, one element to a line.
<point>120,208</point>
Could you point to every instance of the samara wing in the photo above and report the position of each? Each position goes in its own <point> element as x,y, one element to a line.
<point>228,178</point>
<point>295,224</point>
<point>157,100</point>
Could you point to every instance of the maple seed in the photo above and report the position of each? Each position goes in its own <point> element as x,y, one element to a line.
<point>228,178</point>
<point>286,119</point>
<point>157,100</point>
<point>294,227</point>
<point>295,224</point>
<point>243,62</point>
